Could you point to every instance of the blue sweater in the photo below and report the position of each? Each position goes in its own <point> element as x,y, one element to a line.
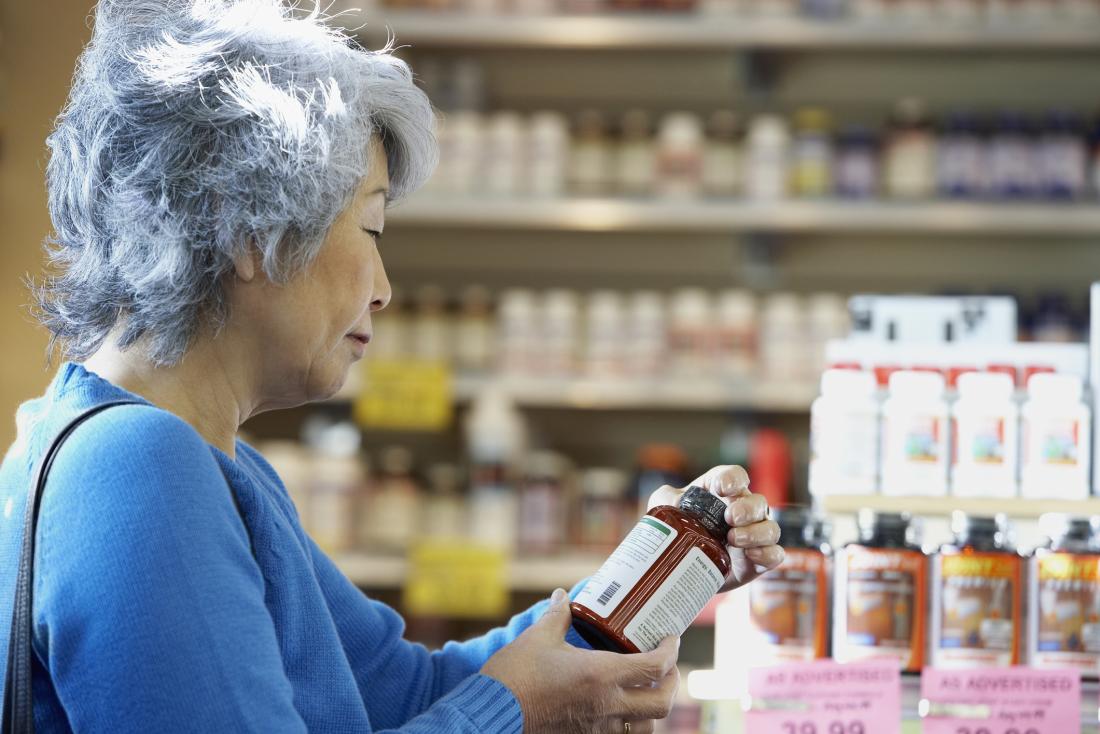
<point>153,614</point>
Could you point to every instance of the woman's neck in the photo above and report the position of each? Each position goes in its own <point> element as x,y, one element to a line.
<point>205,389</point>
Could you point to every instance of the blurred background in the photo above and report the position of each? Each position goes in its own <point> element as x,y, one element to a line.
<point>647,223</point>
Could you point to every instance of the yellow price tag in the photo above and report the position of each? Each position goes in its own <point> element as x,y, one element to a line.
<point>405,395</point>
<point>456,580</point>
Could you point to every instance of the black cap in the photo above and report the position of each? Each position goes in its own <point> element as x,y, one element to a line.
<point>710,510</point>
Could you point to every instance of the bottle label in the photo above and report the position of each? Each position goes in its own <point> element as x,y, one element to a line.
<point>880,605</point>
<point>1056,442</point>
<point>787,608</point>
<point>983,440</point>
<point>977,616</point>
<point>676,602</point>
<point>1065,620</point>
<point>625,567</point>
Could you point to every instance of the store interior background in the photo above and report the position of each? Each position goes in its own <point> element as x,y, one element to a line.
<point>857,82</point>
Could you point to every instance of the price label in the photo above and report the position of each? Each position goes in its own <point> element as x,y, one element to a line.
<point>825,697</point>
<point>1000,701</point>
<point>456,580</point>
<point>405,395</point>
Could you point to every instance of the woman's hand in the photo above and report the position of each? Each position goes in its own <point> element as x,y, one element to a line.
<point>561,688</point>
<point>752,542</point>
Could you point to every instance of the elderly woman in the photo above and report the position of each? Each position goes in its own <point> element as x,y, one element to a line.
<point>218,185</point>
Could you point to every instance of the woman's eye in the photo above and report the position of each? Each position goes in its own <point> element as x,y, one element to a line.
<point>376,234</point>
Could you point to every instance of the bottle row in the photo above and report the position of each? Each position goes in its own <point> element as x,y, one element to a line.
<point>980,438</point>
<point>1010,156</point>
<point>972,603</point>
<point>606,335</point>
<point>958,11</point>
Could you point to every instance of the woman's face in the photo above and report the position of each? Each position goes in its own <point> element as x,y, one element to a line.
<point>310,331</point>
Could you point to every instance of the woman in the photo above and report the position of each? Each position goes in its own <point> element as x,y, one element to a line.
<point>218,184</point>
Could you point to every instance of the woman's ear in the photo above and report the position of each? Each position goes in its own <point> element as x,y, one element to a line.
<point>244,263</point>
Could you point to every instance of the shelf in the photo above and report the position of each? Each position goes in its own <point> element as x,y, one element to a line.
<point>699,31</point>
<point>943,506</point>
<point>633,395</point>
<point>525,574</point>
<point>603,215</point>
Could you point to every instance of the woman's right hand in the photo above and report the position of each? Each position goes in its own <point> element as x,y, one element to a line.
<point>561,688</point>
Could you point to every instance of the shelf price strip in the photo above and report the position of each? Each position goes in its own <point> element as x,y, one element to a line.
<point>1000,701</point>
<point>825,697</point>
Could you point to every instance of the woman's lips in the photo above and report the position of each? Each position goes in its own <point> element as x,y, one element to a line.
<point>359,343</point>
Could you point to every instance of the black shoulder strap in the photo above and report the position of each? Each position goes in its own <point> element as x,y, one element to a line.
<point>18,696</point>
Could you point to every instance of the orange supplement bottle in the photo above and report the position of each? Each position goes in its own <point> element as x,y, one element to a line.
<point>659,578</point>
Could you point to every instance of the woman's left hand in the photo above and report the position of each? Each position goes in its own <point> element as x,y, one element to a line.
<point>753,540</point>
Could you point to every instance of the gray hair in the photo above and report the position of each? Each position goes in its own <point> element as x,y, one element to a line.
<point>194,128</point>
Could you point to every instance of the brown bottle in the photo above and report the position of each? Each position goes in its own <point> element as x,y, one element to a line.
<point>659,578</point>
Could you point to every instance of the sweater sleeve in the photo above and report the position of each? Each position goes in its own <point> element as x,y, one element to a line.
<point>149,606</point>
<point>400,680</point>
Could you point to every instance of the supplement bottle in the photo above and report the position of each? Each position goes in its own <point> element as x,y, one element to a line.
<point>659,578</point>
<point>986,436</point>
<point>1064,596</point>
<point>788,607</point>
<point>914,435</point>
<point>1056,445</point>
<point>812,154</point>
<point>976,585</point>
<point>879,598</point>
<point>844,424</point>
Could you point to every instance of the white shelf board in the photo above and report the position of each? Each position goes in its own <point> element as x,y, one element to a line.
<point>602,215</point>
<point>942,506</point>
<point>699,31</point>
<point>528,574</point>
<point>583,394</point>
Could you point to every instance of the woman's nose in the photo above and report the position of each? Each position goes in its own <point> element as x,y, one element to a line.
<point>382,290</point>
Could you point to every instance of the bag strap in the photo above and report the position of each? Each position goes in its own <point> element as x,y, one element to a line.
<point>18,711</point>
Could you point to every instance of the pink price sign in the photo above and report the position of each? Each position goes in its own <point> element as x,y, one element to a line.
<point>1000,701</point>
<point>825,697</point>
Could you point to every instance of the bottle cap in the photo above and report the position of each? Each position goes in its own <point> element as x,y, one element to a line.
<point>710,510</point>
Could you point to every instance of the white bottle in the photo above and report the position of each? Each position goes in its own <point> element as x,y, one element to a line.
<point>505,154</point>
<point>549,154</point>
<point>636,162</point>
<point>826,319</point>
<point>517,332</point>
<point>915,435</point>
<point>736,337</point>
<point>723,156</point>
<point>462,138</point>
<point>767,158</point>
<point>496,438</point>
<point>844,440</point>
<point>1056,439</point>
<point>680,145</point>
<point>605,326</point>
<point>689,333</point>
<point>986,431</point>
<point>783,339</point>
<point>432,329</point>
<point>647,338</point>
<point>474,333</point>
<point>560,333</point>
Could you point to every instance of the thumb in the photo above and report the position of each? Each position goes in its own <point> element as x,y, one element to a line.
<point>557,617</point>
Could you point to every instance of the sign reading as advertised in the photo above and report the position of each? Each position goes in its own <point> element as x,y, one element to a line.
<point>405,395</point>
<point>1000,701</point>
<point>456,580</point>
<point>825,697</point>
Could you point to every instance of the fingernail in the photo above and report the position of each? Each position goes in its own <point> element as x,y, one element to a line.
<point>557,597</point>
<point>759,569</point>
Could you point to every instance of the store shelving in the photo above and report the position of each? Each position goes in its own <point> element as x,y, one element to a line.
<point>608,214</point>
<point>700,31</point>
<point>942,506</point>
<point>525,573</point>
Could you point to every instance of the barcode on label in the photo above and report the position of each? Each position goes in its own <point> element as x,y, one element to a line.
<point>608,593</point>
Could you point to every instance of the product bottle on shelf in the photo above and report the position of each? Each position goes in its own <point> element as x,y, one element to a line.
<point>336,485</point>
<point>844,435</point>
<point>736,336</point>
<point>915,435</point>
<point>1064,596</point>
<point>767,159</point>
<point>389,519</point>
<point>909,159</point>
<point>658,464</point>
<point>812,154</point>
<point>560,333</point>
<point>431,328</point>
<point>856,171</point>
<point>985,420</point>
<point>591,160</point>
<point>977,581</point>
<point>659,578</point>
<point>445,509</point>
<point>788,606</point>
<point>474,343</point>
<point>506,147</point>
<point>1063,158</point>
<point>605,325</point>
<point>549,154</point>
<point>723,156</point>
<point>1013,163</point>
<point>599,520</point>
<point>518,333</point>
<point>879,597</point>
<point>689,334</point>
<point>1056,447</point>
<point>771,466</point>
<point>680,145</point>
<point>496,437</point>
<point>542,503</point>
<point>647,337</point>
<point>960,158</point>
<point>783,340</point>
<point>826,319</point>
<point>461,145</point>
<point>636,163</point>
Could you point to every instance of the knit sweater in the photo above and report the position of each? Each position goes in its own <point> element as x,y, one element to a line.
<point>158,610</point>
